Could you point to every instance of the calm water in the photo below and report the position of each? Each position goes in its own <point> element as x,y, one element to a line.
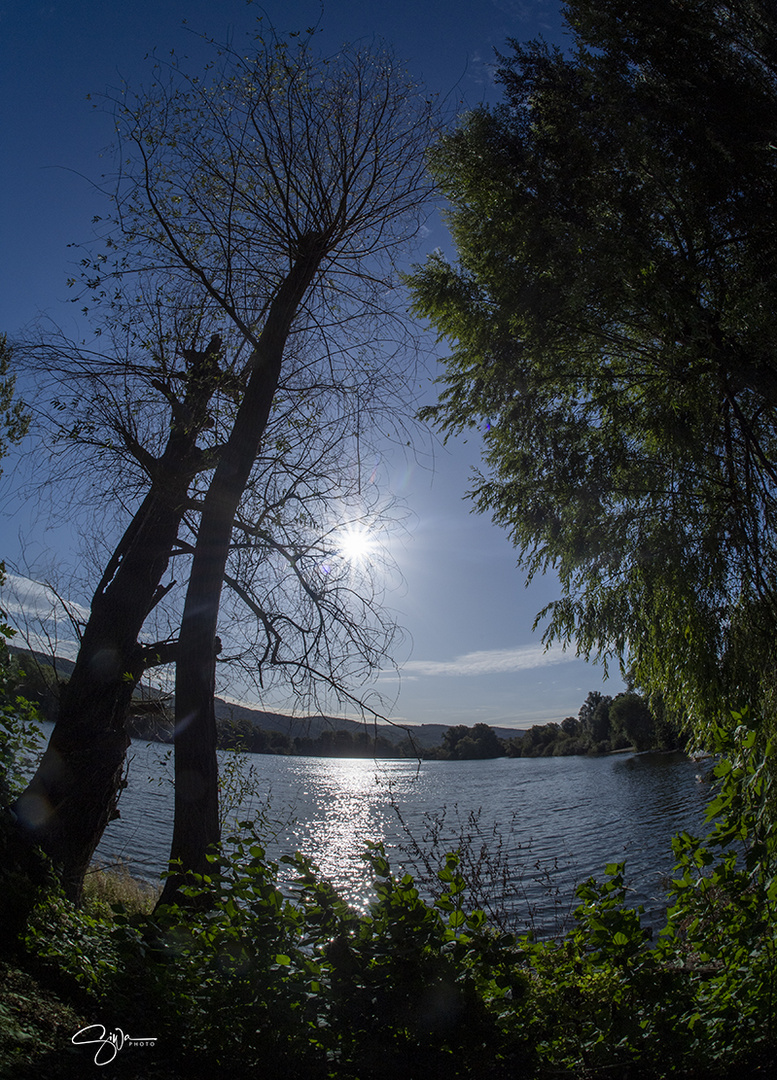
<point>562,817</point>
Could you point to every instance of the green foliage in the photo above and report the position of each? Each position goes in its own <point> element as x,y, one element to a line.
<point>462,743</point>
<point>603,724</point>
<point>609,321</point>
<point>630,714</point>
<point>20,736</point>
<point>78,941</point>
<point>14,418</point>
<point>257,979</point>
<point>724,909</point>
<point>23,875</point>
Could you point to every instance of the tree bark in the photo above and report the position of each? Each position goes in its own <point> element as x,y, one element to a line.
<point>74,793</point>
<point>196,826</point>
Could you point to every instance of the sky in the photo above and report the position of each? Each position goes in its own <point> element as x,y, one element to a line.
<point>471,655</point>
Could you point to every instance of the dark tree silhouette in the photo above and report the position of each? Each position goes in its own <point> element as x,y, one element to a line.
<point>268,200</point>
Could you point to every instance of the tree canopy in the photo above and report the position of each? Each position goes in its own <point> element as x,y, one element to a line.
<point>14,418</point>
<point>610,320</point>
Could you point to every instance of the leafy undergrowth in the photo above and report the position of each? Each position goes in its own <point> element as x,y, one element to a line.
<point>306,986</point>
<point>35,1020</point>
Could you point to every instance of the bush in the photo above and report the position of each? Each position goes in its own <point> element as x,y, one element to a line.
<point>20,736</point>
<point>23,871</point>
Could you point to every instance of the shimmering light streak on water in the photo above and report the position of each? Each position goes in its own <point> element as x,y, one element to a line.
<point>348,804</point>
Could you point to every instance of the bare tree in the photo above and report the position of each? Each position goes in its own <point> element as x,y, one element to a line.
<point>272,194</point>
<point>282,186</point>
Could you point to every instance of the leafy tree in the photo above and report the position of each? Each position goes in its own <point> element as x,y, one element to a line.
<point>570,725</point>
<point>21,874</point>
<point>599,725</point>
<point>16,735</point>
<point>488,743</point>
<point>19,734</point>
<point>453,737</point>
<point>589,707</point>
<point>594,720</point>
<point>631,714</point>
<point>610,320</point>
<point>538,740</point>
<point>478,742</point>
<point>14,417</point>
<point>668,732</point>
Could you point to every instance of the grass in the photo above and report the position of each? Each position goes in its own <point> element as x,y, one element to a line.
<point>115,885</point>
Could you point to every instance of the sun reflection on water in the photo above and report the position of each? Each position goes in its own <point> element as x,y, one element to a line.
<point>348,804</point>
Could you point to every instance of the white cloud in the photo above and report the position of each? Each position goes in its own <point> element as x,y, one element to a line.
<point>62,648</point>
<point>34,600</point>
<point>491,662</point>
<point>43,621</point>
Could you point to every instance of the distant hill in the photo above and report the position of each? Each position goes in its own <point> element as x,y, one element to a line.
<point>425,735</point>
<point>64,667</point>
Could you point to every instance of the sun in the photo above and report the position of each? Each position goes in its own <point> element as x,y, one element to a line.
<point>355,543</point>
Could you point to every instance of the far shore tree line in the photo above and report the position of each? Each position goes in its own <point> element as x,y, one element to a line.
<point>603,725</point>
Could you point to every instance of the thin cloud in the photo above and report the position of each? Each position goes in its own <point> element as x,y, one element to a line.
<point>40,618</point>
<point>34,600</point>
<point>44,622</point>
<point>491,662</point>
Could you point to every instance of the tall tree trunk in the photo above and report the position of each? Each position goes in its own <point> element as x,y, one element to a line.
<point>196,824</point>
<point>75,790</point>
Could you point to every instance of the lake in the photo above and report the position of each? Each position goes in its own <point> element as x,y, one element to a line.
<point>545,824</point>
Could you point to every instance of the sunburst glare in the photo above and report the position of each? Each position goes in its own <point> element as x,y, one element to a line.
<point>356,544</point>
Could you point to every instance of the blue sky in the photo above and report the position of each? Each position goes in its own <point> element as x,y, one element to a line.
<point>471,655</point>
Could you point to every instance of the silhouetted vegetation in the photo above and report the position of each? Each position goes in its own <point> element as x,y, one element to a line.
<point>244,977</point>
<point>603,725</point>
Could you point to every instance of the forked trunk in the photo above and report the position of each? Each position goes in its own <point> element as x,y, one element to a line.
<point>74,792</point>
